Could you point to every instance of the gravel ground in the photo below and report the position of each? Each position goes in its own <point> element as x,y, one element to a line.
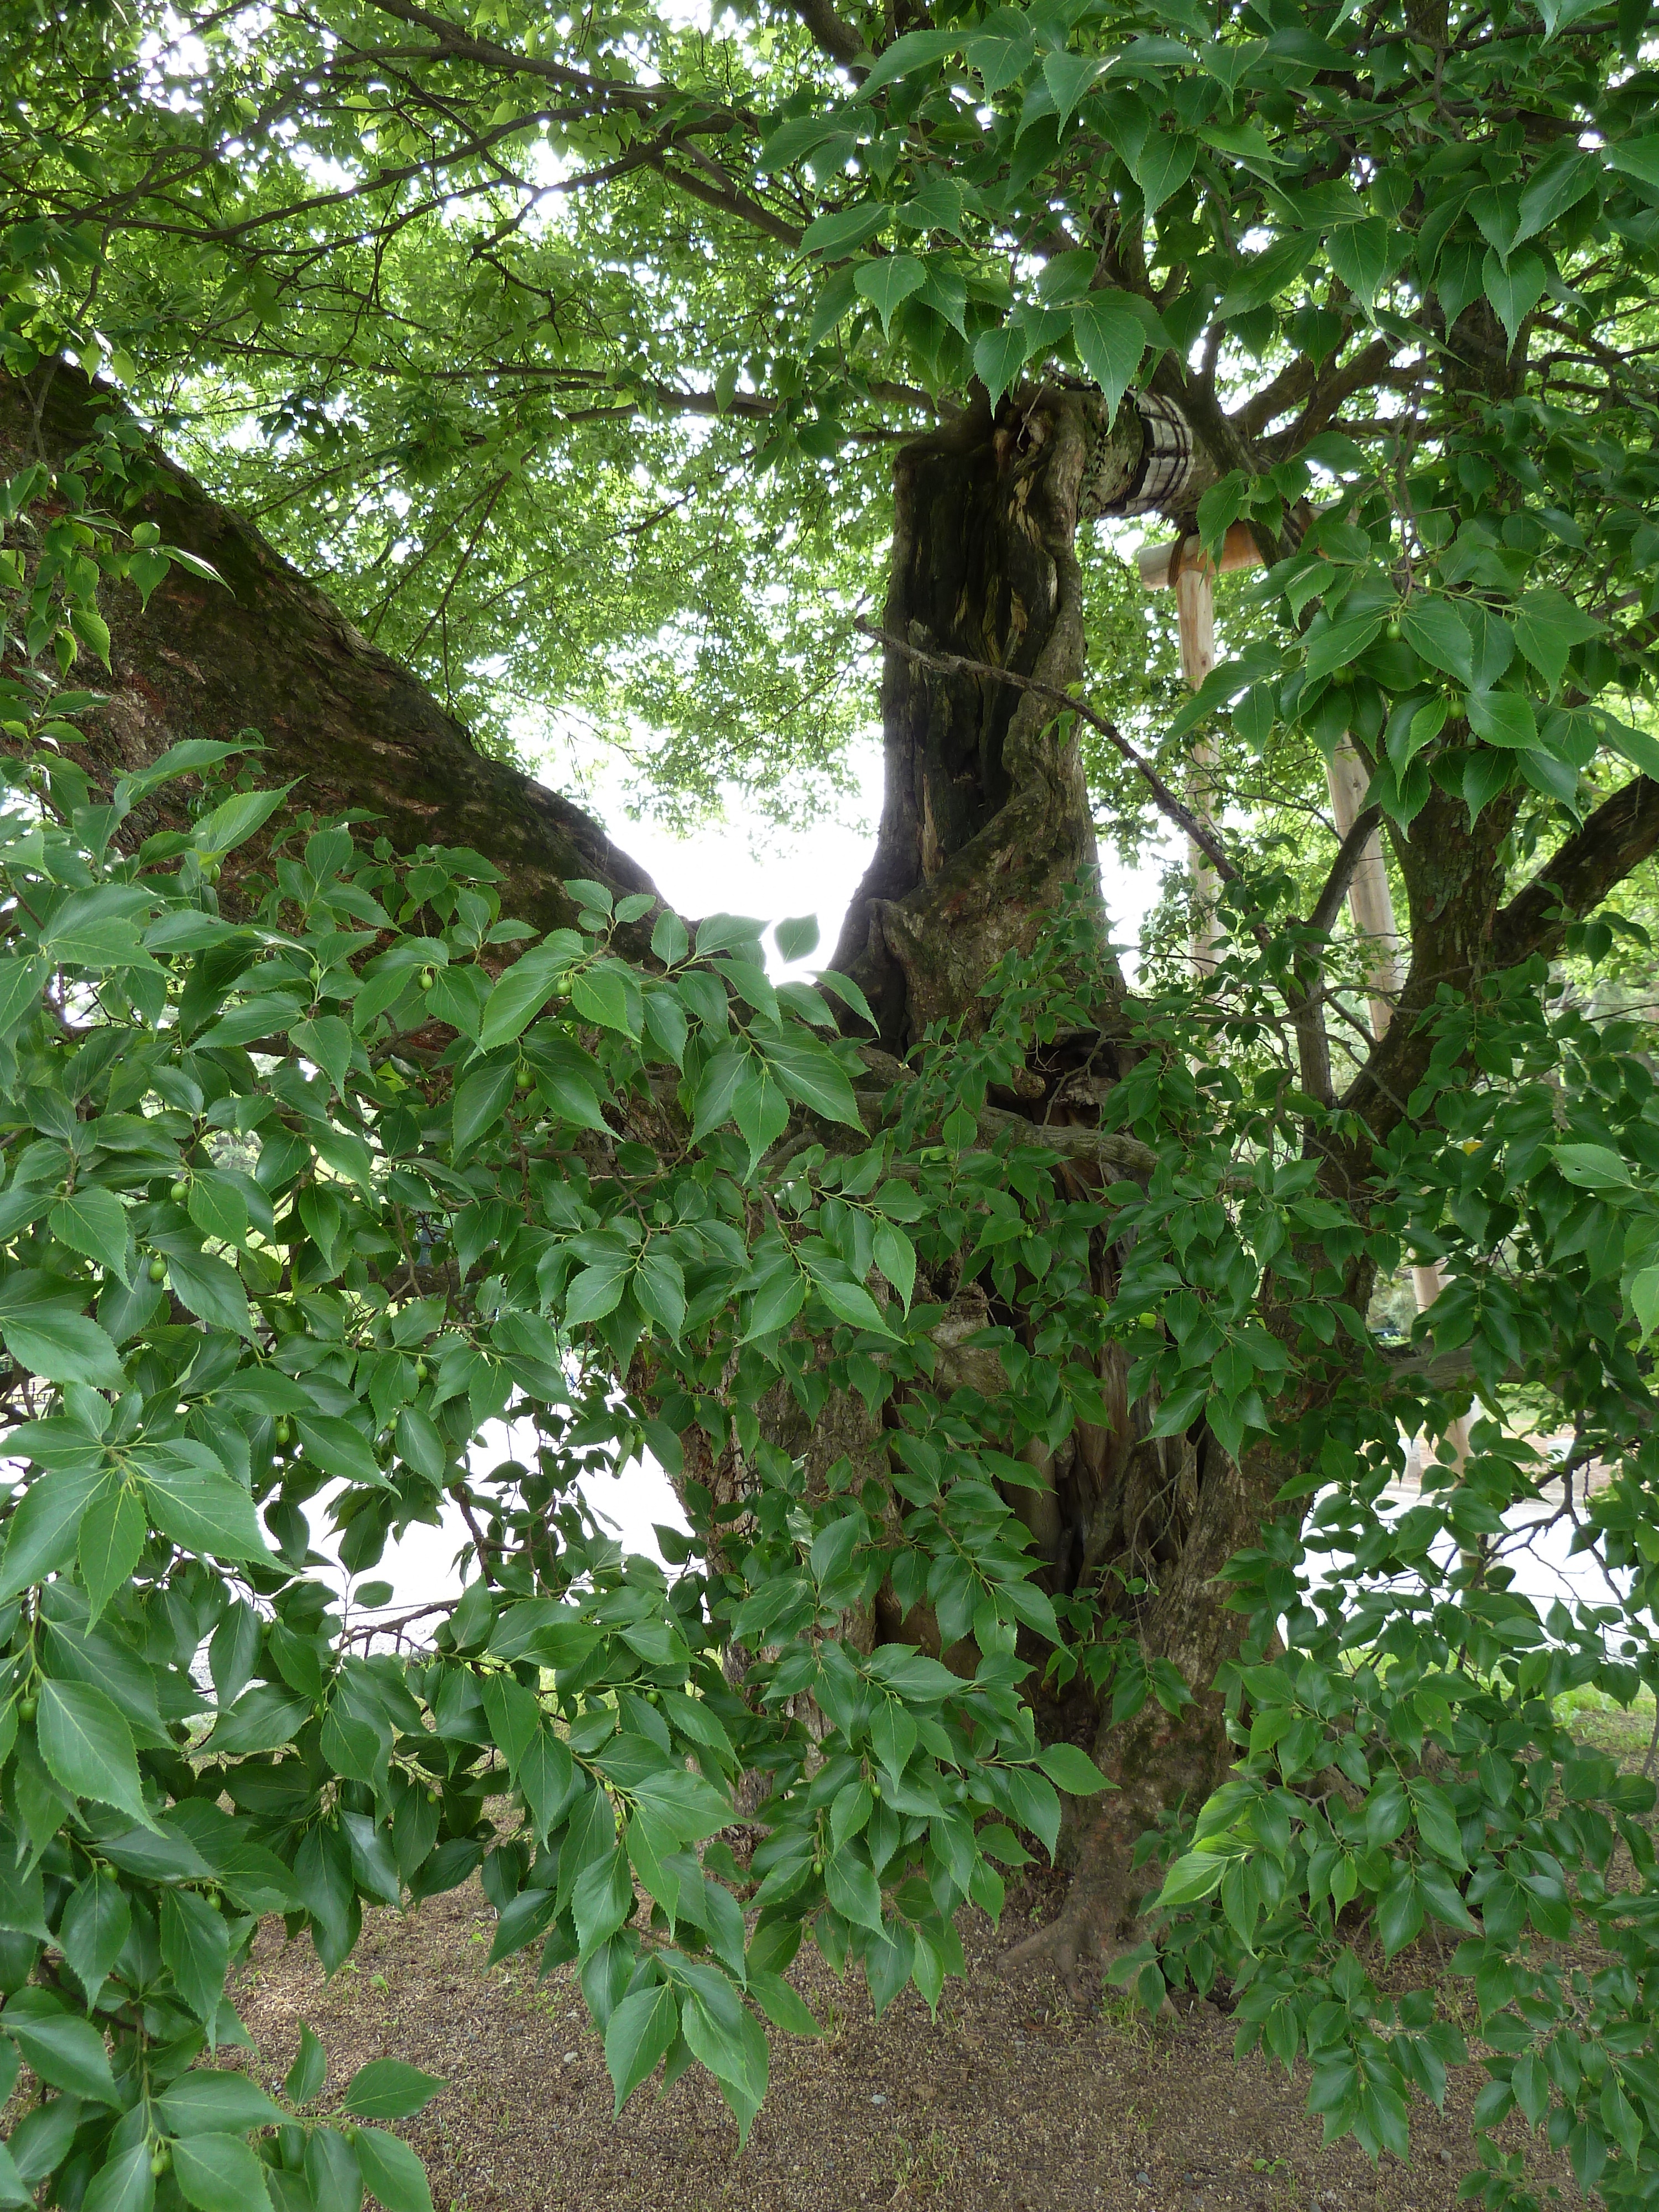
<point>1009,2101</point>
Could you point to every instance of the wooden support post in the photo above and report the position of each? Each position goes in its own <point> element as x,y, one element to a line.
<point>1194,591</point>
<point>1369,900</point>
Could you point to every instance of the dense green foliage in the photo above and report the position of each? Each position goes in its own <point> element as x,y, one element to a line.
<point>262,1267</point>
<point>570,352</point>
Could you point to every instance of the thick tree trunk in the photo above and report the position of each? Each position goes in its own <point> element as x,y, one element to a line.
<point>985,813</point>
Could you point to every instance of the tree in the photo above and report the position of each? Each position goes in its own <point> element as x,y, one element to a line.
<point>995,1320</point>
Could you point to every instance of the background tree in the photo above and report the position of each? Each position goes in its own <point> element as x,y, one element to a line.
<point>462,308</point>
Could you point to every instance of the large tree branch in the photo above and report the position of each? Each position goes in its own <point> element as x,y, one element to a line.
<point>1349,852</point>
<point>831,33</point>
<point>1617,837</point>
<point>264,652</point>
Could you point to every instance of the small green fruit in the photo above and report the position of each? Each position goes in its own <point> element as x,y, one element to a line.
<point>434,1796</point>
<point>422,1370</point>
<point>179,1193</point>
<point>27,1707</point>
<point>428,976</point>
<point>525,1080</point>
<point>875,1791</point>
<point>1393,631</point>
<point>158,1269</point>
<point>161,2159</point>
<point>284,1432</point>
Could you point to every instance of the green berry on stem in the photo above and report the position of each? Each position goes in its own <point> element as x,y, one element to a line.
<point>179,1192</point>
<point>158,1269</point>
<point>27,1707</point>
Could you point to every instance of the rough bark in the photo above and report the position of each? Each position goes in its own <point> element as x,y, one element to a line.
<point>985,813</point>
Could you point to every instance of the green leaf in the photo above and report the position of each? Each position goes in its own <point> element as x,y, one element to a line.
<point>1515,291</point>
<point>778,1298</point>
<point>1561,183</point>
<point>387,2089</point>
<point>781,2004</point>
<point>1547,625</point>
<point>851,1885</point>
<point>1635,157</point>
<point>96,928</point>
<point>916,50</point>
<point>1359,253</point>
<point>596,1292</point>
<point>1503,718</point>
<point>21,981</point>
<point>811,1074</point>
<point>480,1100</point>
<point>1593,1167</point>
<point>211,1289</point>
<point>659,1287</point>
<point>642,2031</point>
<point>192,1500</point>
<point>1194,1877</point>
<point>60,1344</point>
<point>63,2051</point>
<point>1437,633</point>
<point>112,1537</point>
<point>304,2078</point>
<point>45,1527</point>
<point>998,356</point>
<point>220,2174</point>
<point>87,1747</point>
<point>94,1221</point>
<point>1265,275</point>
<point>95,1925</point>
<point>392,2172</point>
<point>234,821</point>
<point>125,2185</point>
<point>851,1303</point>
<point>1110,339</point>
<point>895,1255</point>
<point>210,2101</point>
<point>603,994</point>
<point>520,995</point>
<point>1072,1771</point>
<point>1163,165</point>
<point>196,1949</point>
<point>888,282</point>
<point>341,1448</point>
